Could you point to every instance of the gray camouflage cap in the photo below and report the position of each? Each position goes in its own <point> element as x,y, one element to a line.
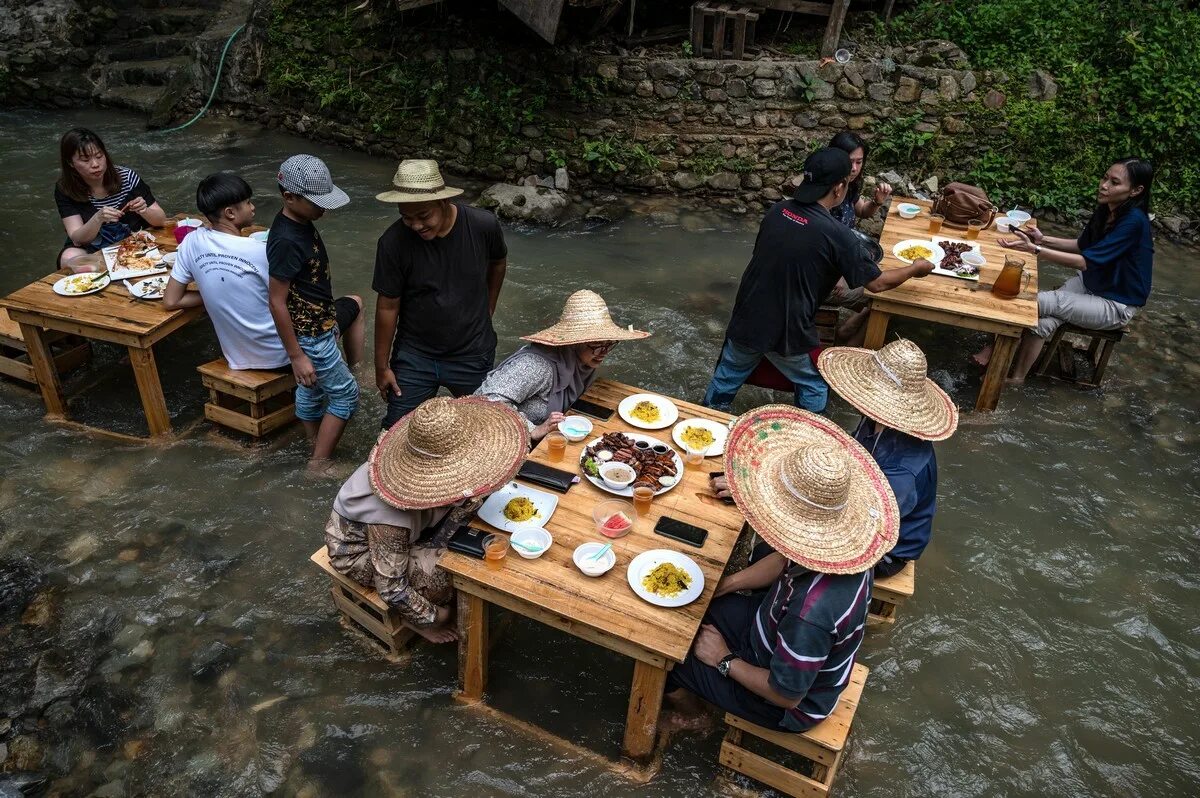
<point>309,177</point>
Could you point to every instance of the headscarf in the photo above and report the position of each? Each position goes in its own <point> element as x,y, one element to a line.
<point>571,377</point>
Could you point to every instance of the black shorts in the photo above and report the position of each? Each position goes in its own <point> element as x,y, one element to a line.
<point>345,310</point>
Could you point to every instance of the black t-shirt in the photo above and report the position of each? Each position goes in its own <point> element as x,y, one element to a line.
<point>442,285</point>
<point>296,253</point>
<point>132,186</point>
<point>800,253</point>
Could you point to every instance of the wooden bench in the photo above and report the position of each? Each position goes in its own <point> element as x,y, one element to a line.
<point>888,594</point>
<point>821,746</point>
<point>254,402</point>
<point>69,351</point>
<point>732,29</point>
<point>364,611</point>
<point>1097,352</point>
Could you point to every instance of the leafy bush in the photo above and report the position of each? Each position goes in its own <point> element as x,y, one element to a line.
<point>1129,82</point>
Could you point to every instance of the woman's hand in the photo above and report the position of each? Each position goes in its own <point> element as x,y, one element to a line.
<point>710,648</point>
<point>882,192</point>
<point>1019,244</point>
<point>108,214</point>
<point>135,205</point>
<point>550,423</point>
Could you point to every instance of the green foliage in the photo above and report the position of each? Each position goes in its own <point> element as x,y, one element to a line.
<point>706,162</point>
<point>898,142</point>
<point>616,154</point>
<point>686,49</point>
<point>1127,77</point>
<point>556,158</point>
<point>806,89</point>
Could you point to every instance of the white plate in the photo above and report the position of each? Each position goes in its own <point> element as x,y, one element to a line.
<point>100,282</point>
<point>149,288</point>
<point>634,436</point>
<point>492,510</point>
<point>647,561</point>
<point>110,262</point>
<point>918,242</point>
<point>937,269</point>
<point>719,432</point>
<point>668,413</point>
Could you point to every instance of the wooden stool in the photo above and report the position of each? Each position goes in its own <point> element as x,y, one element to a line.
<point>1097,352</point>
<point>69,351</point>
<point>732,29</point>
<point>253,402</point>
<point>364,611</point>
<point>891,592</point>
<point>822,746</point>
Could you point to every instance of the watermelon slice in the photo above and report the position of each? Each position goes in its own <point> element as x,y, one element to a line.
<point>617,522</point>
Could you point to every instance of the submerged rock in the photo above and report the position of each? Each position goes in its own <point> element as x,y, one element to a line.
<point>20,581</point>
<point>211,660</point>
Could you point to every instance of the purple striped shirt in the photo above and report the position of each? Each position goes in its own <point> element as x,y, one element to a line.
<point>807,633</point>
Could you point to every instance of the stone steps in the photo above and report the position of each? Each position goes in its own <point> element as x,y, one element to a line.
<point>133,98</point>
<point>158,72</point>
<point>165,22</point>
<point>150,48</point>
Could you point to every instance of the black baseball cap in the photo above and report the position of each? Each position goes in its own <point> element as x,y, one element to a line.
<point>823,169</point>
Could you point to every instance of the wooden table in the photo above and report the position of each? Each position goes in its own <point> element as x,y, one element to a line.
<point>602,610</point>
<point>953,301</point>
<point>111,315</point>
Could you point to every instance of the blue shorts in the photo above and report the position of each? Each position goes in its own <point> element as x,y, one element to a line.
<point>336,391</point>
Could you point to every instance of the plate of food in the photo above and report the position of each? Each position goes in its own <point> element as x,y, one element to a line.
<point>648,411</point>
<point>951,264</point>
<point>653,462</point>
<point>135,256</point>
<point>666,578</point>
<point>700,433</point>
<point>912,249</point>
<point>515,507</point>
<point>82,284</point>
<point>149,288</point>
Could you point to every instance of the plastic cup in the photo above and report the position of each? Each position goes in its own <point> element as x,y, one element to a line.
<point>556,445</point>
<point>693,456</point>
<point>604,512</point>
<point>973,228</point>
<point>495,551</point>
<point>642,497</point>
<point>935,222</point>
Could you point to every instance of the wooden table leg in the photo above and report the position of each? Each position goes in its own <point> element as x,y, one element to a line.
<point>997,373</point>
<point>44,370</point>
<point>472,646</point>
<point>145,371</point>
<point>877,325</point>
<point>645,702</point>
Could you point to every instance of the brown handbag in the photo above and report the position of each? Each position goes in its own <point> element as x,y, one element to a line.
<point>961,203</point>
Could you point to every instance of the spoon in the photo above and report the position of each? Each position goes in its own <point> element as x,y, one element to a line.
<point>525,546</point>
<point>600,553</point>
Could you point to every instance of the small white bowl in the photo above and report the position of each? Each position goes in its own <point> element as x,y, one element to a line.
<point>261,235</point>
<point>973,258</point>
<point>907,210</point>
<point>582,428</point>
<point>189,222</point>
<point>1003,223</point>
<point>1019,217</point>
<point>584,553</point>
<point>531,537</point>
<point>609,473</point>
<point>169,258</point>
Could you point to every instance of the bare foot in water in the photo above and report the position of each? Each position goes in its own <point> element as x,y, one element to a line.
<point>672,721</point>
<point>436,634</point>
<point>983,356</point>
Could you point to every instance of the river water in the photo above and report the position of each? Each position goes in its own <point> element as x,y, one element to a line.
<point>179,641</point>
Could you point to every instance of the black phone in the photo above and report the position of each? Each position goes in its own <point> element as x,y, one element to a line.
<point>678,530</point>
<point>592,409</point>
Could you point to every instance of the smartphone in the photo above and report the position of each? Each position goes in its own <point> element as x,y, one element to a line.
<point>678,530</point>
<point>592,409</point>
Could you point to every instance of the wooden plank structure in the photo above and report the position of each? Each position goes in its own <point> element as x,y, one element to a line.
<point>889,593</point>
<point>602,610</point>
<point>1097,352</point>
<point>834,11</point>
<point>952,301</point>
<point>69,351</point>
<point>250,401</point>
<point>722,30</point>
<point>365,612</point>
<point>822,746</point>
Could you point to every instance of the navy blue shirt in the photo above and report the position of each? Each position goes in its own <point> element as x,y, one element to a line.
<point>845,212</point>
<point>911,469</point>
<point>1119,263</point>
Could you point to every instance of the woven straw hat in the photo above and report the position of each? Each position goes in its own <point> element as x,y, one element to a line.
<point>418,181</point>
<point>810,490</point>
<point>584,319</point>
<point>448,450</point>
<point>890,387</point>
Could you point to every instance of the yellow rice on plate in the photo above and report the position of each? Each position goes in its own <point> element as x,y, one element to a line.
<point>645,411</point>
<point>666,579</point>
<point>520,509</point>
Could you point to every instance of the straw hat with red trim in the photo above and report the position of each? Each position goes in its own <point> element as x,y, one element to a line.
<point>584,320</point>
<point>810,490</point>
<point>891,387</point>
<point>448,450</point>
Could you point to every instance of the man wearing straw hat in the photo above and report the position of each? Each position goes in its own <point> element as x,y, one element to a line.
<point>800,253</point>
<point>438,272</point>
<point>392,518</point>
<point>781,659</point>
<point>903,412</point>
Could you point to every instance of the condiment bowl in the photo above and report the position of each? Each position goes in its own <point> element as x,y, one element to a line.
<point>584,562</point>
<point>533,538</point>
<point>973,258</point>
<point>1018,218</point>
<point>575,428</point>
<point>907,210</point>
<point>617,476</point>
<point>261,235</point>
<point>1003,223</point>
<point>605,510</point>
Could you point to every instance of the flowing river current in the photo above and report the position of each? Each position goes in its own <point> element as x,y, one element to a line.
<point>162,631</point>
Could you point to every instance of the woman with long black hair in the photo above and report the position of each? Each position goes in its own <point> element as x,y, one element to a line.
<point>1114,255</point>
<point>855,206</point>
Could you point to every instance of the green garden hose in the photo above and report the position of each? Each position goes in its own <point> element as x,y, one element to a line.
<point>216,82</point>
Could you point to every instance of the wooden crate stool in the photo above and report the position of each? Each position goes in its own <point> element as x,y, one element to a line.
<point>253,402</point>
<point>821,746</point>
<point>364,611</point>
<point>732,29</point>
<point>1098,351</point>
<point>69,351</point>
<point>834,10</point>
<point>888,594</point>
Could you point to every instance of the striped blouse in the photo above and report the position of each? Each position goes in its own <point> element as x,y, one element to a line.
<point>132,186</point>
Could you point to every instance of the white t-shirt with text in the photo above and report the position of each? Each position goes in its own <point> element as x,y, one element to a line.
<point>231,273</point>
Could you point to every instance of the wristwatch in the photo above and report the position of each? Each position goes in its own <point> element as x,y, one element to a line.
<point>1037,249</point>
<point>725,664</point>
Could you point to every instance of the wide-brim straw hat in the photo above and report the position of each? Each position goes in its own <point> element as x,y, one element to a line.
<point>418,180</point>
<point>448,450</point>
<point>890,386</point>
<point>584,320</point>
<point>810,490</point>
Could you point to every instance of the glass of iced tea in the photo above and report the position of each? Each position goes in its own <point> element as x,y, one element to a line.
<point>556,444</point>
<point>495,551</point>
<point>935,222</point>
<point>973,228</point>
<point>642,496</point>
